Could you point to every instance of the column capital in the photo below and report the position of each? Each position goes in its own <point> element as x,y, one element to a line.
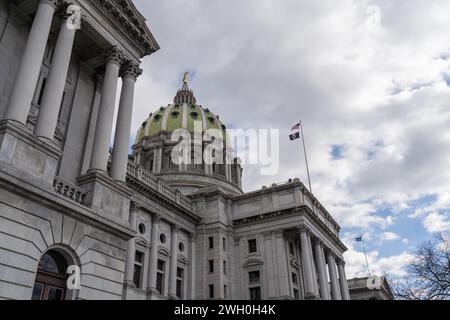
<point>303,228</point>
<point>317,242</point>
<point>156,218</point>
<point>54,3</point>
<point>175,227</point>
<point>130,70</point>
<point>114,55</point>
<point>340,261</point>
<point>135,206</point>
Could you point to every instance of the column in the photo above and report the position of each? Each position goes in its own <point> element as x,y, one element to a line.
<point>173,262</point>
<point>343,280</point>
<point>306,262</point>
<point>323,282</point>
<point>335,295</point>
<point>102,137</point>
<point>192,265</point>
<point>119,162</point>
<point>157,160</point>
<point>31,63</point>
<point>131,246</point>
<point>153,264</point>
<point>56,81</point>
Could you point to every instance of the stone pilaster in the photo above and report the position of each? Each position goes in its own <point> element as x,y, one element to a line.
<point>151,285</point>
<point>173,262</point>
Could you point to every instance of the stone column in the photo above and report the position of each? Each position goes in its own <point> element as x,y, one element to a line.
<point>31,63</point>
<point>157,160</point>
<point>173,262</point>
<point>131,247</point>
<point>56,81</point>
<point>153,264</point>
<point>307,262</point>
<point>343,280</point>
<point>119,162</point>
<point>192,265</point>
<point>102,137</point>
<point>335,295</point>
<point>323,282</point>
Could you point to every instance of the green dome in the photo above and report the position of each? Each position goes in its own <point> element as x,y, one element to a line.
<point>181,114</point>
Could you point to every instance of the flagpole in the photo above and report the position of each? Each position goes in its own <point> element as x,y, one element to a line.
<point>365,255</point>
<point>306,157</point>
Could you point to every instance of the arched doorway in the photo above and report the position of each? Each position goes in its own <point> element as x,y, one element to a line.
<point>51,277</point>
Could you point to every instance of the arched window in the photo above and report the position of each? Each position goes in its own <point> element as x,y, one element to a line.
<point>51,277</point>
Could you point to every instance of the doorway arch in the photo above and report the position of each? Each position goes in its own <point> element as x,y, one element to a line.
<point>51,276</point>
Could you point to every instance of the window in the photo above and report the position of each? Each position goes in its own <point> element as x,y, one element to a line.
<point>160,276</point>
<point>51,278</point>
<point>41,92</point>
<point>254,276</point>
<point>252,248</point>
<point>296,294</point>
<point>211,266</point>
<point>138,264</point>
<point>255,293</point>
<point>225,292</point>
<point>211,291</point>
<point>141,228</point>
<point>224,242</point>
<point>181,246</point>
<point>294,278</point>
<point>180,283</point>
<point>211,242</point>
<point>291,248</point>
<point>224,267</point>
<point>162,238</point>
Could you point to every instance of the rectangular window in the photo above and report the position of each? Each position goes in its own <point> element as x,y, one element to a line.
<point>160,272</point>
<point>252,248</point>
<point>291,248</point>
<point>211,266</point>
<point>137,274</point>
<point>255,293</point>
<point>180,283</point>
<point>211,242</point>
<point>224,244</point>
<point>41,93</point>
<point>296,294</point>
<point>224,267</point>
<point>294,278</point>
<point>211,291</point>
<point>254,276</point>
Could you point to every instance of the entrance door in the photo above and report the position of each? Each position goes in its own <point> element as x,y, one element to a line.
<point>51,278</point>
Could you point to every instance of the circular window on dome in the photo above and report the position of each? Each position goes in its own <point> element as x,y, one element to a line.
<point>211,119</point>
<point>181,246</point>
<point>162,238</point>
<point>157,118</point>
<point>141,228</point>
<point>175,114</point>
<point>192,107</point>
<point>176,106</point>
<point>194,115</point>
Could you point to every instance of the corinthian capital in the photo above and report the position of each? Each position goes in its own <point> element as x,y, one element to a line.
<point>114,55</point>
<point>131,70</point>
<point>54,3</point>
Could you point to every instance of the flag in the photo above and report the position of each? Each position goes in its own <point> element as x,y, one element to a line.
<point>295,132</point>
<point>359,239</point>
<point>294,136</point>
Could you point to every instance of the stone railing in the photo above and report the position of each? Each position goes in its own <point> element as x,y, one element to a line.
<point>68,190</point>
<point>157,185</point>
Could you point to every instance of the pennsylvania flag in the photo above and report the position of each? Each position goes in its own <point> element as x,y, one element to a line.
<point>359,239</point>
<point>295,132</point>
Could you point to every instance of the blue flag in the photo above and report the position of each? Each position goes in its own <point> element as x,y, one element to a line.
<point>359,239</point>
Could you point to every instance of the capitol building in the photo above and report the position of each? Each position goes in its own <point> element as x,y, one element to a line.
<point>83,219</point>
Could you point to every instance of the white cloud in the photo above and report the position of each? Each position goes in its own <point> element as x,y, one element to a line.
<point>436,222</point>
<point>388,236</point>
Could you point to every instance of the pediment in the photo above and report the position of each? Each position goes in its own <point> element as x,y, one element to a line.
<point>250,263</point>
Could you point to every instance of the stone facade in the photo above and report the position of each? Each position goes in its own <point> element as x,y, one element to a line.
<point>134,230</point>
<point>370,288</point>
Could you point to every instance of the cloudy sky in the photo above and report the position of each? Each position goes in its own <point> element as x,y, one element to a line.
<point>370,80</point>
